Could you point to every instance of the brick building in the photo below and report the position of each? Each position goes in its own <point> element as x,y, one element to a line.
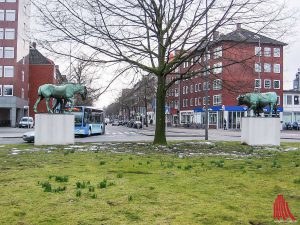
<point>239,62</point>
<point>41,71</point>
<point>14,68</point>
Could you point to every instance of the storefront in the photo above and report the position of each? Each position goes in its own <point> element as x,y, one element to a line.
<point>186,117</point>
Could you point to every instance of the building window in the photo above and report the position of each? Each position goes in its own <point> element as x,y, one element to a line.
<point>276,52</point>
<point>1,71</point>
<point>208,55</point>
<point>267,67</point>
<point>257,83</point>
<point>191,102</point>
<point>217,68</point>
<point>267,52</point>
<point>9,52</point>
<point>208,100</point>
<point>1,15</point>
<point>8,90</point>
<point>8,71</point>
<point>10,0</point>
<point>206,85</point>
<point>296,100</point>
<point>10,15</point>
<point>1,33</point>
<point>22,93</point>
<point>176,104</point>
<point>1,52</point>
<point>217,52</point>
<point>257,67</point>
<point>199,101</point>
<point>196,87</point>
<point>185,64</point>
<point>199,87</point>
<point>186,89</point>
<point>176,92</point>
<point>276,84</point>
<point>258,51</point>
<point>217,99</point>
<point>191,88</point>
<point>23,76</point>
<point>196,102</point>
<point>217,84</point>
<point>267,84</point>
<point>183,102</point>
<point>289,99</point>
<point>0,90</point>
<point>9,34</point>
<point>276,68</point>
<point>183,90</point>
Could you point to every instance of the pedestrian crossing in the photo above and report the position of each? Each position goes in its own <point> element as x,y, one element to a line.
<point>121,133</point>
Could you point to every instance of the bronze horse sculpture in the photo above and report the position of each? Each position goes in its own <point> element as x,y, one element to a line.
<point>61,93</point>
<point>257,101</point>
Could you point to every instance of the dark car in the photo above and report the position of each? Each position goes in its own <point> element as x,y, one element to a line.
<point>28,136</point>
<point>288,126</point>
<point>125,122</point>
<point>120,122</point>
<point>130,123</point>
<point>137,124</point>
<point>296,126</point>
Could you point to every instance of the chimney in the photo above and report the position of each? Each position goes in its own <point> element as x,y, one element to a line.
<point>216,35</point>
<point>238,26</point>
<point>34,45</point>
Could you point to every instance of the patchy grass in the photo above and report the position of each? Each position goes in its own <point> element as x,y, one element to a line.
<point>140,183</point>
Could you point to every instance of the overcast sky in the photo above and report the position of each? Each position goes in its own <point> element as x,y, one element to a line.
<point>291,60</point>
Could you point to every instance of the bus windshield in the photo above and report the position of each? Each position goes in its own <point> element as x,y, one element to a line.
<point>78,118</point>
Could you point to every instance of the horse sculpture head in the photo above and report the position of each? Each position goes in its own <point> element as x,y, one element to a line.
<point>240,99</point>
<point>82,91</point>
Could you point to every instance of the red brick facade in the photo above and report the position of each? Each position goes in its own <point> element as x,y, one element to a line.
<point>235,70</point>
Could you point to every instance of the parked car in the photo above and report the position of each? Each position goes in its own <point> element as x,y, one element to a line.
<point>120,122</point>
<point>130,123</point>
<point>137,124</point>
<point>26,122</point>
<point>288,126</point>
<point>296,126</point>
<point>125,122</point>
<point>28,136</point>
<point>115,123</point>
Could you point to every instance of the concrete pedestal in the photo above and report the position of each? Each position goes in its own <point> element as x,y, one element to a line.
<point>54,129</point>
<point>260,131</point>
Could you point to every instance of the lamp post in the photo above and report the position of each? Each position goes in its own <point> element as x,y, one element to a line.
<point>206,75</point>
<point>259,63</point>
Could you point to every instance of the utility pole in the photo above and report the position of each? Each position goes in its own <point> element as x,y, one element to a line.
<point>206,75</point>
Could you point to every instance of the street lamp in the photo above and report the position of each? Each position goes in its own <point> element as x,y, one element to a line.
<point>259,63</point>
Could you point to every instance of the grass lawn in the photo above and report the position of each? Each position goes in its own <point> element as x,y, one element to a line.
<point>138,183</point>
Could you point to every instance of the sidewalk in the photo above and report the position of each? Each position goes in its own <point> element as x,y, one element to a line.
<point>9,132</point>
<point>189,132</point>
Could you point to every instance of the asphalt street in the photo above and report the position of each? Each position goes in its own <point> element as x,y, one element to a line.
<point>125,134</point>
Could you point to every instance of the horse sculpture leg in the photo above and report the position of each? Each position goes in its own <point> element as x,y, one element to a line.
<point>36,104</point>
<point>48,106</point>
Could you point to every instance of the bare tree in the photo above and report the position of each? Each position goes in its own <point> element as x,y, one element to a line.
<point>140,35</point>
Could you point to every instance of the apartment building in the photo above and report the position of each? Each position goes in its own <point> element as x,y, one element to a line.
<point>14,68</point>
<point>238,62</point>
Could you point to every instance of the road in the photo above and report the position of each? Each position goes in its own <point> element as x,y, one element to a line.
<point>123,134</point>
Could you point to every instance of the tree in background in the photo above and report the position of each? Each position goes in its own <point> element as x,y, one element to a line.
<point>140,35</point>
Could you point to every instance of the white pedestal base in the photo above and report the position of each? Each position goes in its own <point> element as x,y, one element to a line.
<point>260,131</point>
<point>54,129</point>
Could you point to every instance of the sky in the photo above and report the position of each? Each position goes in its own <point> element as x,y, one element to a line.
<point>291,54</point>
<point>291,57</point>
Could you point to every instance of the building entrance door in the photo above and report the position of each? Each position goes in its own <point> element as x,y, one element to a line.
<point>234,119</point>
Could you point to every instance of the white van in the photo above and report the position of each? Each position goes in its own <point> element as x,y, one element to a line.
<point>26,122</point>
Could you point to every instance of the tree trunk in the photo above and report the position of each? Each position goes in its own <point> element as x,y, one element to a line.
<point>160,128</point>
